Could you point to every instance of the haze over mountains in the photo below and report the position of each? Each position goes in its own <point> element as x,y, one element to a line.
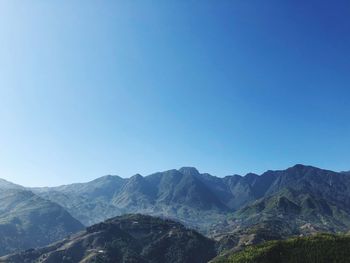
<point>199,200</point>
<point>27,220</point>
<point>237,210</point>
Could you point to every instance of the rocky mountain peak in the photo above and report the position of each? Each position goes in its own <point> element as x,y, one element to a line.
<point>189,171</point>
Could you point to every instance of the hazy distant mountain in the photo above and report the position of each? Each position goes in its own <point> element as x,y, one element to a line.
<point>88,202</point>
<point>238,209</point>
<point>307,195</point>
<point>304,199</point>
<point>305,212</point>
<point>8,185</point>
<point>301,193</point>
<point>27,220</point>
<point>178,194</point>
<point>129,238</point>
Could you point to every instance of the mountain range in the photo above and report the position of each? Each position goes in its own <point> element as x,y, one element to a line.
<point>303,194</point>
<point>238,210</point>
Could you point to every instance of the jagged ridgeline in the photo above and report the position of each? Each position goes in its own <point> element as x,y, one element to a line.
<point>310,199</point>
<point>234,210</point>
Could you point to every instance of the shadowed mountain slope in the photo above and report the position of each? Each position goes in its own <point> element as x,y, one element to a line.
<point>128,238</point>
<point>238,209</point>
<point>8,185</point>
<point>207,202</point>
<point>27,220</point>
<point>308,198</point>
<point>178,194</point>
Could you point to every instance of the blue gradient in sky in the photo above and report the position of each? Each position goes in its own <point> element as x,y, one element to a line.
<point>89,88</point>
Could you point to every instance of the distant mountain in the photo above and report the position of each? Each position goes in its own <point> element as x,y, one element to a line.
<point>322,248</point>
<point>27,220</point>
<point>128,238</point>
<point>300,200</point>
<point>88,202</point>
<point>305,213</point>
<point>178,194</point>
<point>310,198</point>
<point>328,184</point>
<point>8,185</point>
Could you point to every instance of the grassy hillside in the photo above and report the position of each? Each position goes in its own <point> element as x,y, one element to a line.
<point>322,248</point>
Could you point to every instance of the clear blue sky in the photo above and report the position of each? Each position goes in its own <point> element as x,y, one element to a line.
<point>89,88</point>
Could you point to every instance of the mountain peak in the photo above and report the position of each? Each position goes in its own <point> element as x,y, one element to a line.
<point>107,177</point>
<point>137,177</point>
<point>250,177</point>
<point>301,169</point>
<point>189,171</point>
<point>301,166</point>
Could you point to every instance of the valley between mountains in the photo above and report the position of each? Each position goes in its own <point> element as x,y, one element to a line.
<point>191,216</point>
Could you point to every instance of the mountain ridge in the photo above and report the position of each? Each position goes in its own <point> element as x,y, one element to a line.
<point>127,238</point>
<point>186,194</point>
<point>299,200</point>
<point>27,220</point>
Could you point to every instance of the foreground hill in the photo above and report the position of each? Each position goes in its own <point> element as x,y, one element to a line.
<point>129,238</point>
<point>324,248</point>
<point>27,220</point>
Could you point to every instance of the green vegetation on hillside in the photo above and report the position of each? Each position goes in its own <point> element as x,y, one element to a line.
<point>322,248</point>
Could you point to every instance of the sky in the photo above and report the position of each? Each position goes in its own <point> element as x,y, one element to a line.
<point>89,88</point>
